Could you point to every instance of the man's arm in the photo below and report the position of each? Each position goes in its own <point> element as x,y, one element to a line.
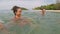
<point>3,29</point>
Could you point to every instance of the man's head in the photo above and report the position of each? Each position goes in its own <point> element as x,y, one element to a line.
<point>17,10</point>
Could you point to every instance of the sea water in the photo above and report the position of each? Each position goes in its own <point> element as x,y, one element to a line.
<point>47,24</point>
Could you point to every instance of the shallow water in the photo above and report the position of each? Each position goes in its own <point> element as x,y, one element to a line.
<point>47,24</point>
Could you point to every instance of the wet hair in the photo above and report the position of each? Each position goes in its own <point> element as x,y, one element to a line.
<point>15,9</point>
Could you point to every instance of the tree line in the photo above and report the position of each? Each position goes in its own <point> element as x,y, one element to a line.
<point>49,7</point>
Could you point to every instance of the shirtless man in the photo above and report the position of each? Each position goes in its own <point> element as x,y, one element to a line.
<point>17,12</point>
<point>19,24</point>
<point>43,11</point>
<point>18,19</point>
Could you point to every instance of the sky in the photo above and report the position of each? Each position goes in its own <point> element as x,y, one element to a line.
<point>29,4</point>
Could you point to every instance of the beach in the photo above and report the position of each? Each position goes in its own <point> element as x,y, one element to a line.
<point>53,10</point>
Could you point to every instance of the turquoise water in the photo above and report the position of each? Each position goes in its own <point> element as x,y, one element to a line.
<point>47,24</point>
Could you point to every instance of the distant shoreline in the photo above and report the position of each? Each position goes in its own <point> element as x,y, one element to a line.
<point>50,10</point>
<point>53,10</point>
<point>40,10</point>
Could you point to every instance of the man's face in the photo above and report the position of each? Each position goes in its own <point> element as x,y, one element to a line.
<point>18,13</point>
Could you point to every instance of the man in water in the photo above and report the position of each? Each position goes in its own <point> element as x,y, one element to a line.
<point>19,24</point>
<point>43,11</point>
<point>17,12</point>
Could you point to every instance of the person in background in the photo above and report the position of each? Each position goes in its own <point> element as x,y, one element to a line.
<point>43,11</point>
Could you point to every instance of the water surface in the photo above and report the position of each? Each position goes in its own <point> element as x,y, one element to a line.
<point>47,24</point>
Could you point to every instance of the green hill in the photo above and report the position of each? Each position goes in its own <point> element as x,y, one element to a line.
<point>24,8</point>
<point>49,7</point>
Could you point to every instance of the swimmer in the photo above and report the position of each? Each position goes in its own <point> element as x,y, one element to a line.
<point>43,11</point>
<point>17,12</point>
<point>18,23</point>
